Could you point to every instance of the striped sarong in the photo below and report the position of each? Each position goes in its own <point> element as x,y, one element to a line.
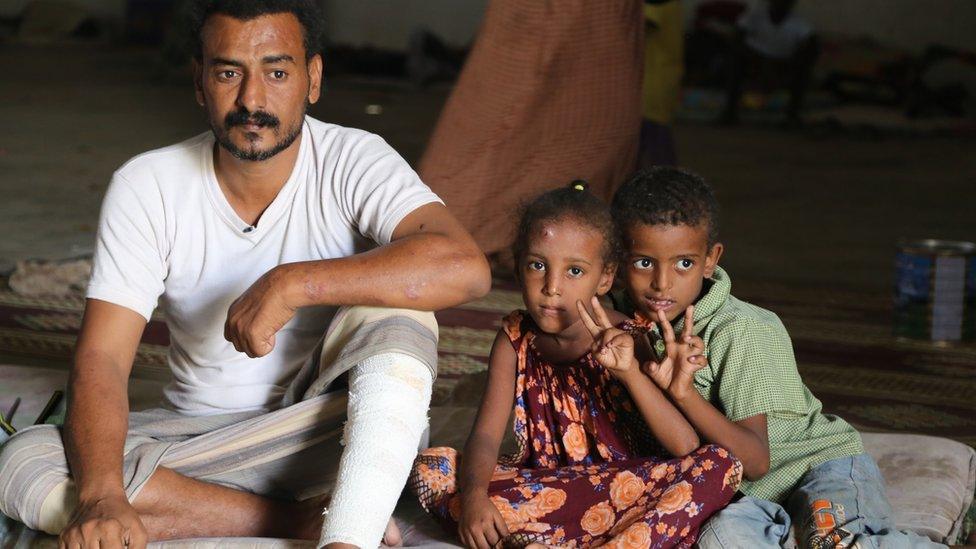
<point>292,452</point>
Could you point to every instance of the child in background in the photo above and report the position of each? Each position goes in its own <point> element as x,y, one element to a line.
<point>800,466</point>
<point>586,418</point>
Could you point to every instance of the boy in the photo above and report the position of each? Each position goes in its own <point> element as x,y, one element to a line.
<point>800,465</point>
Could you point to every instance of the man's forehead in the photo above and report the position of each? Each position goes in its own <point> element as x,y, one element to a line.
<point>271,35</point>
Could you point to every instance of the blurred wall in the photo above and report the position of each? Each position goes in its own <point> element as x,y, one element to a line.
<point>112,11</point>
<point>388,23</point>
<point>907,24</point>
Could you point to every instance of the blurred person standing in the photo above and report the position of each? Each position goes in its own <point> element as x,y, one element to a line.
<point>776,45</point>
<point>663,70</point>
<point>550,93</point>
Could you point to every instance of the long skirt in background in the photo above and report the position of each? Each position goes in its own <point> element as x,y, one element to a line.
<point>551,92</point>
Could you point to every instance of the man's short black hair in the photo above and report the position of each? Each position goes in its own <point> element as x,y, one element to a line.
<point>307,12</point>
<point>664,195</point>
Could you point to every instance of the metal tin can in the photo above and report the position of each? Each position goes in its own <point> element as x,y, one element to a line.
<point>935,290</point>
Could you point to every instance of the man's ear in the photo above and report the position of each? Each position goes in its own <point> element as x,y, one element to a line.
<point>606,279</point>
<point>315,65</point>
<point>711,259</point>
<point>198,81</point>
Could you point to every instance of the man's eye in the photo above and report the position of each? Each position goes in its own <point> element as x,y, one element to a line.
<point>228,74</point>
<point>575,272</point>
<point>643,263</point>
<point>537,265</point>
<point>685,264</point>
<point>278,75</point>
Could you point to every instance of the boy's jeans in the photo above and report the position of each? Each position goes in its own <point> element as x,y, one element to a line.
<point>840,503</point>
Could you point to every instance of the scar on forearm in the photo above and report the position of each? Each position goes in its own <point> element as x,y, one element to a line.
<point>314,290</point>
<point>412,292</point>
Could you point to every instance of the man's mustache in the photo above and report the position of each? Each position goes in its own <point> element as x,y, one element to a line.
<point>241,117</point>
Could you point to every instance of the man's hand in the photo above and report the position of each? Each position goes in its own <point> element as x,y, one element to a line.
<point>255,317</point>
<point>613,348</point>
<point>674,372</point>
<point>104,523</point>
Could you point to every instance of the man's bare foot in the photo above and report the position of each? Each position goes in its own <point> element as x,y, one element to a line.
<point>310,517</point>
<point>392,537</point>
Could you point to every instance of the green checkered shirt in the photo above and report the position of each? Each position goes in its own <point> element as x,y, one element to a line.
<point>751,370</point>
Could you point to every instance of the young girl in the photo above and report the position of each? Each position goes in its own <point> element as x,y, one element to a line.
<point>588,422</point>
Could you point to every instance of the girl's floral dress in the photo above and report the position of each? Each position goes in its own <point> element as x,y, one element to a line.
<point>584,475</point>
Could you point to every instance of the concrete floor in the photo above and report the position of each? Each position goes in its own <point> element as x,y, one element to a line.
<point>807,207</point>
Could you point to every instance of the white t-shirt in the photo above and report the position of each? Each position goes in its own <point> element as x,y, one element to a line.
<point>768,38</point>
<point>167,233</point>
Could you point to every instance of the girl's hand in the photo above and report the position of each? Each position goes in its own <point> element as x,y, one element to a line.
<point>481,525</point>
<point>613,348</point>
<point>675,371</point>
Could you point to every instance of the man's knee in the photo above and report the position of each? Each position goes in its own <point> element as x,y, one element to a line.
<point>395,382</point>
<point>33,469</point>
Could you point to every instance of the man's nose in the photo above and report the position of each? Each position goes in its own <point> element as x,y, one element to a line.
<point>251,95</point>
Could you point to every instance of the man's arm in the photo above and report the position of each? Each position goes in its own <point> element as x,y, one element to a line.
<point>95,430</point>
<point>431,263</point>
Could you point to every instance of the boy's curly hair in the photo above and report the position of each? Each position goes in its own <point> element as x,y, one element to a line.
<point>575,202</point>
<point>196,12</point>
<point>664,195</point>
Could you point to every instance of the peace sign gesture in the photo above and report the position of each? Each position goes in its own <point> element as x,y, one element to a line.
<point>674,369</point>
<point>612,347</point>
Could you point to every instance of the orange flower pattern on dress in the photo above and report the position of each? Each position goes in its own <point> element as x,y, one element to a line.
<point>625,489</point>
<point>674,498</point>
<point>598,519</point>
<point>574,441</point>
<point>584,474</point>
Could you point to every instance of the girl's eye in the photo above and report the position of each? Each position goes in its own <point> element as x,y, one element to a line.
<point>537,266</point>
<point>575,272</point>
<point>643,263</point>
<point>685,264</point>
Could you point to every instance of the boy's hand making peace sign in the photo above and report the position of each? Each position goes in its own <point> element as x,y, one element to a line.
<point>612,347</point>
<point>674,370</point>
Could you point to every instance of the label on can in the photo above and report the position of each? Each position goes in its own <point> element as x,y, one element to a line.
<point>949,285</point>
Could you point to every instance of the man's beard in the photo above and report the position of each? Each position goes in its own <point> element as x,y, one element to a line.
<point>241,117</point>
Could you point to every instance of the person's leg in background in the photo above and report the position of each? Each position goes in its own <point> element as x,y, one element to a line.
<point>738,66</point>
<point>801,73</point>
<point>661,87</point>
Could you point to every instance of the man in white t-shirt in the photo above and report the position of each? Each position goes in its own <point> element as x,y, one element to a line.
<point>250,238</point>
<point>776,45</point>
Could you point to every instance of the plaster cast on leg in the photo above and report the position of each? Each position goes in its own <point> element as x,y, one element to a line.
<point>389,395</point>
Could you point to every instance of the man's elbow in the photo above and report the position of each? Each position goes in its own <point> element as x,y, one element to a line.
<point>476,274</point>
<point>481,279</point>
